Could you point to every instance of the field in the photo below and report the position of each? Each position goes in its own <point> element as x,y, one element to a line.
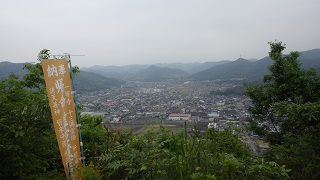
<point>138,128</point>
<point>144,125</point>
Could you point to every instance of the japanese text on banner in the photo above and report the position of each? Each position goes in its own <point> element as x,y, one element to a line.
<point>59,89</point>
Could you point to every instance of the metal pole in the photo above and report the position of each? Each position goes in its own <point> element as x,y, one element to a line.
<point>76,106</point>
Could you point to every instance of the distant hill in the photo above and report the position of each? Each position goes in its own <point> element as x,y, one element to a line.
<point>7,67</point>
<point>89,82</point>
<point>251,69</point>
<point>205,65</point>
<point>182,66</point>
<point>119,72</point>
<point>253,59</point>
<point>234,69</point>
<point>243,68</point>
<point>155,73</point>
<point>310,59</point>
<point>192,68</point>
<point>84,81</point>
<point>130,71</point>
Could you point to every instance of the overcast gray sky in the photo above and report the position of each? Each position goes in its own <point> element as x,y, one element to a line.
<point>121,32</point>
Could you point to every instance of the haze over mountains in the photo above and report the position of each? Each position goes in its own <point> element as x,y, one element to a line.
<point>251,69</point>
<point>100,77</point>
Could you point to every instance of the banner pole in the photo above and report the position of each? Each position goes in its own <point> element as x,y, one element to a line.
<point>77,112</point>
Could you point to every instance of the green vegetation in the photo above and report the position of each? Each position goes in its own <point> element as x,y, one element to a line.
<point>94,136</point>
<point>28,144</point>
<point>29,148</point>
<point>164,155</point>
<point>237,90</point>
<point>286,112</point>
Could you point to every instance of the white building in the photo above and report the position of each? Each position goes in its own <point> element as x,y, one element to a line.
<point>185,117</point>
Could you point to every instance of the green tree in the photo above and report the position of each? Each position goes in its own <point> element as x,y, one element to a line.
<point>94,136</point>
<point>286,112</point>
<point>28,145</point>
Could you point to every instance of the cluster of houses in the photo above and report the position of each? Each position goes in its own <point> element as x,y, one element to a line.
<point>170,102</point>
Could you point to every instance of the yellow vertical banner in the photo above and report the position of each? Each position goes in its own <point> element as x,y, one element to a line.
<point>59,89</point>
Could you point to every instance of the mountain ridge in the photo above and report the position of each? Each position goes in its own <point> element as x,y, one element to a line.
<point>254,70</point>
<point>84,81</point>
<point>240,68</point>
<point>155,73</point>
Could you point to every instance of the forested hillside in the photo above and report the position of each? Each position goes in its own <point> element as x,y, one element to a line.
<point>249,70</point>
<point>90,82</point>
<point>7,67</point>
<point>154,73</point>
<point>84,81</point>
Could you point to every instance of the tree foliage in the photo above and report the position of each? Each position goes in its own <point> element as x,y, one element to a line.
<point>164,155</point>
<point>286,112</point>
<point>28,146</point>
<point>94,136</point>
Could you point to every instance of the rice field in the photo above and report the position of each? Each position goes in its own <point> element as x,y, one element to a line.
<point>140,128</point>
